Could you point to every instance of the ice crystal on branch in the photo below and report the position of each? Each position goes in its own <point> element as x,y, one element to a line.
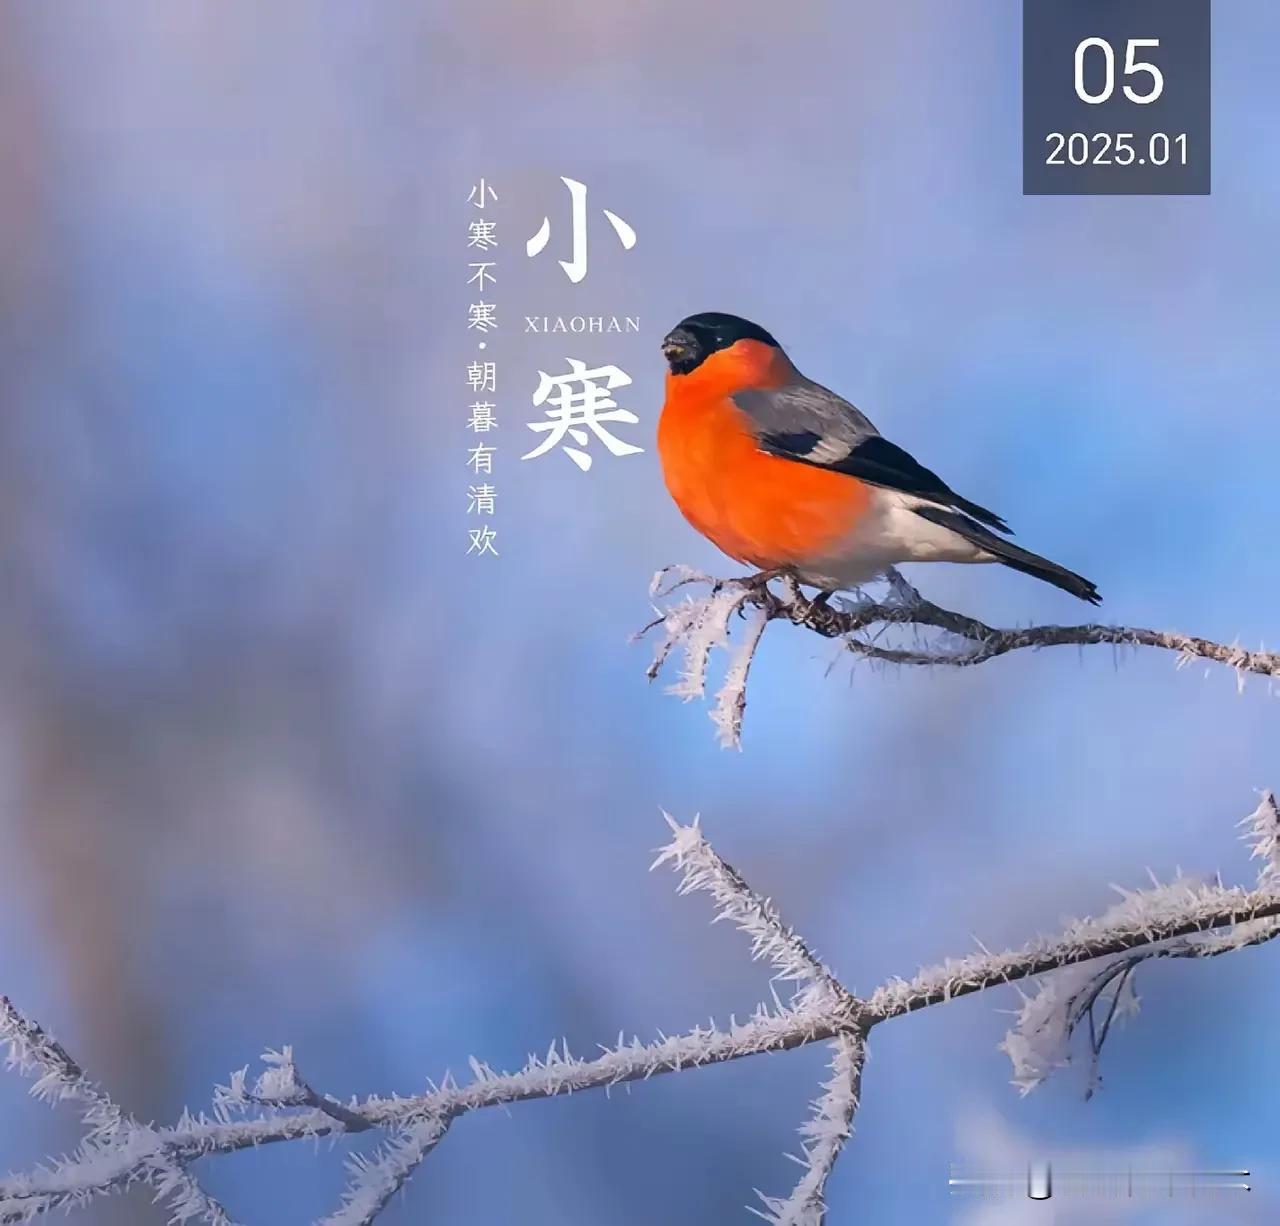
<point>1090,998</point>
<point>109,1133</point>
<point>824,1135</point>
<point>1262,833</point>
<point>698,626</point>
<point>701,868</point>
<point>375,1180</point>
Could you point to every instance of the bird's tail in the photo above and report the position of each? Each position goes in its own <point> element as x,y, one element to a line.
<point>1013,556</point>
<point>1041,568</point>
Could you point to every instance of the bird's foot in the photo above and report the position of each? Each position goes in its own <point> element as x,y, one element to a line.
<point>754,584</point>
<point>817,612</point>
<point>754,589</point>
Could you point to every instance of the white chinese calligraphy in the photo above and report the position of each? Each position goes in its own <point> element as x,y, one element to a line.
<point>576,266</point>
<point>482,419</point>
<point>482,376</point>
<point>482,540</point>
<point>581,404</point>
<point>482,318</point>
<point>481,195</point>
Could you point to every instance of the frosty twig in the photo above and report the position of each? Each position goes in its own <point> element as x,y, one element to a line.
<point>701,868</point>
<point>1050,1017</point>
<point>108,1131</point>
<point>375,1180</point>
<point>825,1134</point>
<point>695,625</point>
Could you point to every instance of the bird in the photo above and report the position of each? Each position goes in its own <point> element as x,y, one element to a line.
<point>782,474</point>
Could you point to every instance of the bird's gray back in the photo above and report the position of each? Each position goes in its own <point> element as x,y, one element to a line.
<point>805,407</point>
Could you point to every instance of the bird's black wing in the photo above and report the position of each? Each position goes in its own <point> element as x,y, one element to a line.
<point>806,422</point>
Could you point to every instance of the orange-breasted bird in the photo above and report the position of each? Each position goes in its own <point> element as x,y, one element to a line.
<point>781,473</point>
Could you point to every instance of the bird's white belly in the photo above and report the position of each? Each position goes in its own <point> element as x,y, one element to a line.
<point>890,532</point>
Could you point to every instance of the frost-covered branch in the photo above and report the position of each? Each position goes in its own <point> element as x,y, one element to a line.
<point>281,1085</point>
<point>1086,966</point>
<point>375,1180</point>
<point>818,991</point>
<point>701,868</point>
<point>824,1135</point>
<point>109,1131</point>
<point>695,624</point>
<point>1093,996</point>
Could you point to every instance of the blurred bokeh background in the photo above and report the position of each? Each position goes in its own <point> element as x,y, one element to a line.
<point>282,764</point>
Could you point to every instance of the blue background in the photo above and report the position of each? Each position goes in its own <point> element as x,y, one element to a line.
<point>281,764</point>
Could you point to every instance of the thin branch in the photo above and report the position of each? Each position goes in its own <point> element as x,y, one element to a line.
<point>1204,908</point>
<point>731,698</point>
<point>695,626</point>
<point>701,868</point>
<point>1040,1040</point>
<point>281,1085</point>
<point>61,1079</point>
<point>906,606</point>
<point>825,1134</point>
<point>1262,833</point>
<point>375,1180</point>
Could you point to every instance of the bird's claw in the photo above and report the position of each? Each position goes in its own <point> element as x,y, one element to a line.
<point>761,579</point>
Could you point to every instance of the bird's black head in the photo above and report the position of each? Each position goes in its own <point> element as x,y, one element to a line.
<point>696,337</point>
